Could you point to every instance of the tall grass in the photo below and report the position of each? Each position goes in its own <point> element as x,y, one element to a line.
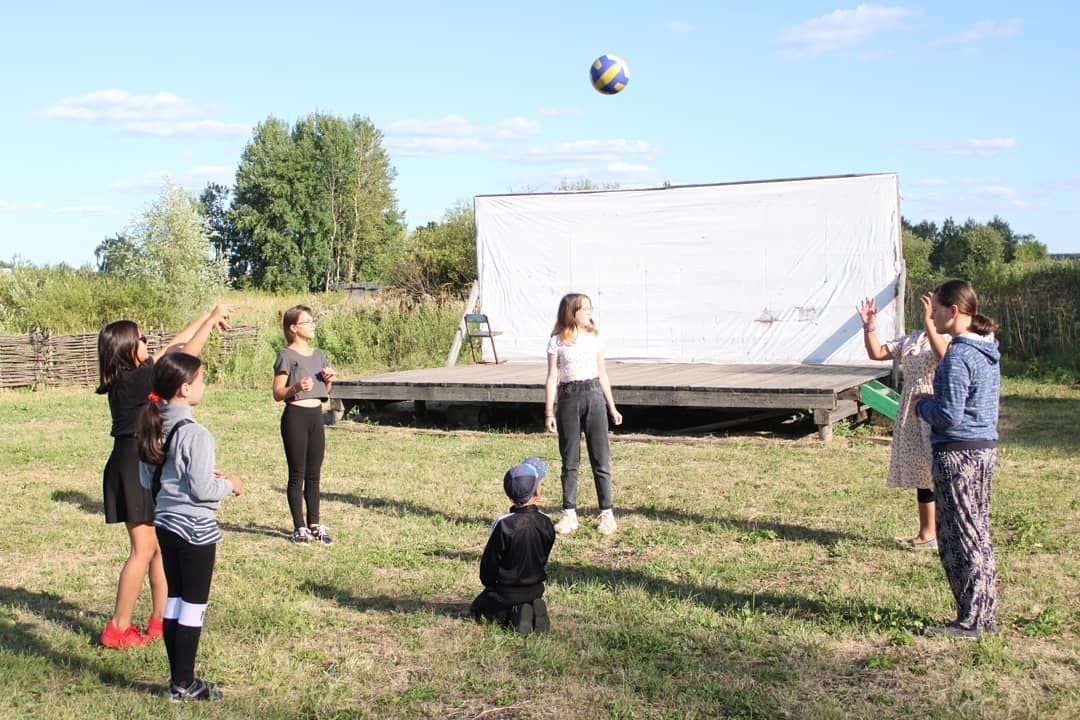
<point>1038,307</point>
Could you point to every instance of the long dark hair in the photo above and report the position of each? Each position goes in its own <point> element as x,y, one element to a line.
<point>170,372</point>
<point>289,318</point>
<point>116,346</point>
<point>962,295</point>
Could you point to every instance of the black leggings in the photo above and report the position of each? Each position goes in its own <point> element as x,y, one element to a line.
<point>188,571</point>
<point>924,496</point>
<point>305,442</point>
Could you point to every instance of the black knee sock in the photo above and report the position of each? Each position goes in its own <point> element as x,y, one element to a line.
<point>187,644</point>
<point>168,633</point>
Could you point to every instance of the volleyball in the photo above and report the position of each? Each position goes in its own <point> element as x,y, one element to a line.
<point>609,74</point>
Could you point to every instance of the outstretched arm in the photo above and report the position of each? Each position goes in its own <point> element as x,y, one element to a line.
<point>192,338</point>
<point>868,312</point>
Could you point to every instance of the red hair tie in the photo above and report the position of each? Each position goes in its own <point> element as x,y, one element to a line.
<point>153,397</point>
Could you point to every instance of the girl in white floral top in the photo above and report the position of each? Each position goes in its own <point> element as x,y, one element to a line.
<point>910,465</point>
<point>576,377</point>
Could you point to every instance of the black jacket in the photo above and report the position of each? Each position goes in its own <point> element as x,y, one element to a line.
<point>515,558</point>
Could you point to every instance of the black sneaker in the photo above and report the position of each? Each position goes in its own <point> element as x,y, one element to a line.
<point>541,623</point>
<point>198,690</point>
<point>521,618</point>
<point>320,533</point>
<point>300,535</point>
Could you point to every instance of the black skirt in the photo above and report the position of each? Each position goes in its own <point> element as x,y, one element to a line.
<point>126,500</point>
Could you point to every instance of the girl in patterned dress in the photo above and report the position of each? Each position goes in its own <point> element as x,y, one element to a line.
<point>910,464</point>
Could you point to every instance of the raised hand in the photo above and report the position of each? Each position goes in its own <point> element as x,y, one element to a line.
<point>221,314</point>
<point>868,311</point>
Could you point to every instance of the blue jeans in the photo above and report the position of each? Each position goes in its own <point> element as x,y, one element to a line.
<point>580,407</point>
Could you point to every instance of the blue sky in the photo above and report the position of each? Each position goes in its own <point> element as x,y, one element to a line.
<point>975,105</point>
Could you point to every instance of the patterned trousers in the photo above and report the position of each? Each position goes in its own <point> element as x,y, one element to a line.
<point>962,483</point>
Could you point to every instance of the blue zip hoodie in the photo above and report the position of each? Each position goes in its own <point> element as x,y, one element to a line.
<point>967,386</point>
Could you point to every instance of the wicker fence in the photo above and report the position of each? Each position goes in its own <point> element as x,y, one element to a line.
<point>43,359</point>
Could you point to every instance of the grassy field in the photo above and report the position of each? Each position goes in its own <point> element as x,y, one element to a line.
<point>752,577</point>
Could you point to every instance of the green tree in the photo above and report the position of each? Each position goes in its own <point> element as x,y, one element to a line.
<point>949,249</point>
<point>917,255</point>
<point>439,256</point>
<point>169,247</point>
<point>214,205</point>
<point>984,253</point>
<point>314,205</point>
<point>1030,250</point>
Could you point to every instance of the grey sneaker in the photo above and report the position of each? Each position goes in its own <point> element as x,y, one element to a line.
<point>197,690</point>
<point>606,524</point>
<point>321,533</point>
<point>959,632</point>
<point>300,535</point>
<point>568,522</point>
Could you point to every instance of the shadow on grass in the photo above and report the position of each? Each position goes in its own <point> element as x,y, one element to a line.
<point>80,500</point>
<point>849,612</point>
<point>385,603</point>
<point>400,508</point>
<point>250,529</point>
<point>784,531</point>
<point>23,639</point>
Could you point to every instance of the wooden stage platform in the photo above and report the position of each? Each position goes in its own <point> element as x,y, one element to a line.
<point>831,391</point>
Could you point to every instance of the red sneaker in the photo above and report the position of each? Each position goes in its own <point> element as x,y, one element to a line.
<point>117,640</point>
<point>154,629</point>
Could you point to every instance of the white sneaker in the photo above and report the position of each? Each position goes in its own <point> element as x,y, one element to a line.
<point>606,524</point>
<point>567,522</point>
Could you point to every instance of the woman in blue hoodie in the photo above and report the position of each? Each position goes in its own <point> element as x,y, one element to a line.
<point>962,415</point>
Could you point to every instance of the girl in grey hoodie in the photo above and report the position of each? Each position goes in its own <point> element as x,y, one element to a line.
<point>177,466</point>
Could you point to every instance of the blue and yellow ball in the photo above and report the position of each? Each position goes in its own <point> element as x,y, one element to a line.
<point>609,74</point>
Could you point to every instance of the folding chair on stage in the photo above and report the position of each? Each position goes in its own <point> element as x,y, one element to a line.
<point>477,328</point>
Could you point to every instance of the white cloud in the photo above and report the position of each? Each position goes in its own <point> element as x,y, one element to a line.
<point>928,182</point>
<point>589,151</point>
<point>421,146</point>
<point>120,106</point>
<point>979,147</point>
<point>840,29</point>
<point>162,114</point>
<point>517,127</point>
<point>454,133</point>
<point>5,205</point>
<point>86,210</point>
<point>448,126</point>
<point>193,179</point>
<point>678,26</point>
<point>982,30</point>
<point>625,168</point>
<point>187,129</point>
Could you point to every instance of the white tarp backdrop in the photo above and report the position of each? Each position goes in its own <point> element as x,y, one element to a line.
<point>759,272</point>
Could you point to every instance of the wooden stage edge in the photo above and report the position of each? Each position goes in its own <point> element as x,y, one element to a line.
<point>831,391</point>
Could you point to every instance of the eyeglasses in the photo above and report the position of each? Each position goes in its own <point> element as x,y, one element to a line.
<point>306,322</point>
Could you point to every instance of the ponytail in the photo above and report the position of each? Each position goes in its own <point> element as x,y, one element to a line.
<point>170,373</point>
<point>962,295</point>
<point>149,434</point>
<point>982,325</point>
